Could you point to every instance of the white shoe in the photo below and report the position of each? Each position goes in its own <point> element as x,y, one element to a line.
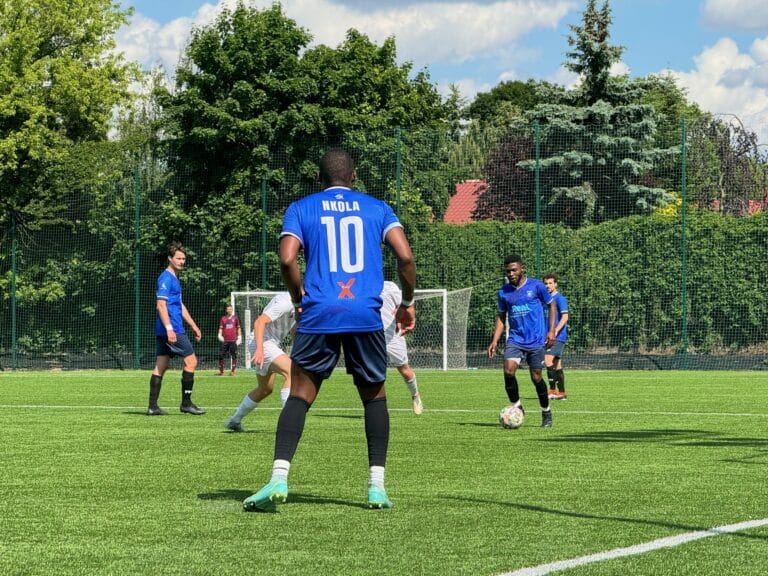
<point>418,407</point>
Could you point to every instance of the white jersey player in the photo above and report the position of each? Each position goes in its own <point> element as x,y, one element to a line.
<point>270,329</point>
<point>397,351</point>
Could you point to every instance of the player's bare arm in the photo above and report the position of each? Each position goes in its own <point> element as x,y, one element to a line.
<point>405,317</point>
<point>162,311</point>
<point>259,326</point>
<point>188,319</point>
<point>498,328</point>
<point>289,268</point>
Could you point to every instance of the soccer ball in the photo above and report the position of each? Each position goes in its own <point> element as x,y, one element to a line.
<point>511,417</point>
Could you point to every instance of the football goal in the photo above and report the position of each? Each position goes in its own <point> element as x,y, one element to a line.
<point>438,342</point>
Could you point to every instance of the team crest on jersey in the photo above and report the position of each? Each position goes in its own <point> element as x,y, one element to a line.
<point>529,293</point>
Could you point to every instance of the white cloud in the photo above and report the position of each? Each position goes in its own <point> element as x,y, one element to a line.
<point>742,14</point>
<point>726,81</point>
<point>759,49</point>
<point>468,88</point>
<point>427,32</point>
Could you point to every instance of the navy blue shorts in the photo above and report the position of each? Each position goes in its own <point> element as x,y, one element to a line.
<point>182,347</point>
<point>556,349</point>
<point>534,358</point>
<point>365,355</point>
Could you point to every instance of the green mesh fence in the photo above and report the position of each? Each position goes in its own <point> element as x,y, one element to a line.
<point>658,240</point>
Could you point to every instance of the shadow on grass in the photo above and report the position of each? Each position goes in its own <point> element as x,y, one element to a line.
<point>293,498</point>
<point>684,438</point>
<point>663,435</point>
<point>588,516</point>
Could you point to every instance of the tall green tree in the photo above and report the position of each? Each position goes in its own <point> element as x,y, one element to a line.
<point>597,141</point>
<point>506,99</point>
<point>250,87</point>
<point>59,84</point>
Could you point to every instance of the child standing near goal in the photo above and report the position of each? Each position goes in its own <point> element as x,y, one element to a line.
<point>269,330</point>
<point>397,351</point>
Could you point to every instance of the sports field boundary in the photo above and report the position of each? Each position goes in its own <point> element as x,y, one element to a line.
<point>666,542</point>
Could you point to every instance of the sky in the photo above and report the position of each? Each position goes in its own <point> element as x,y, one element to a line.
<point>716,49</point>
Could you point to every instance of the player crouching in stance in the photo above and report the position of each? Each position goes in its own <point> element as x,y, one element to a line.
<point>171,337</point>
<point>397,351</point>
<point>269,330</point>
<point>340,310</point>
<point>520,304</point>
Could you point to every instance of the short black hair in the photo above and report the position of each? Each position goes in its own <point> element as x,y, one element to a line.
<point>512,258</point>
<point>336,167</point>
<point>551,275</point>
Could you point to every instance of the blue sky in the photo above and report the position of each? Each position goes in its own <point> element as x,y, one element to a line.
<point>717,49</point>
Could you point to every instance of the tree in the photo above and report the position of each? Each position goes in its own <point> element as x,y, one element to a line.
<point>592,56</point>
<point>507,97</point>
<point>726,165</point>
<point>59,84</point>
<point>596,142</point>
<point>250,88</point>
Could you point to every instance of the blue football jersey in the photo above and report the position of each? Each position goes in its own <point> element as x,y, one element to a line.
<point>169,289</point>
<point>525,314</point>
<point>561,303</point>
<point>341,232</point>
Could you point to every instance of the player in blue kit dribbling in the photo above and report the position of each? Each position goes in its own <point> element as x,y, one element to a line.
<point>337,306</point>
<point>520,304</point>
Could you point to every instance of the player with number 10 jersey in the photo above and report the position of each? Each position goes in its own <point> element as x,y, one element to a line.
<point>341,231</point>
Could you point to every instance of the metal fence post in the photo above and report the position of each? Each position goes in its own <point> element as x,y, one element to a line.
<point>137,267</point>
<point>683,245</point>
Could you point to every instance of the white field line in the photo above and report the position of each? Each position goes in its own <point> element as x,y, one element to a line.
<point>668,542</point>
<point>391,409</point>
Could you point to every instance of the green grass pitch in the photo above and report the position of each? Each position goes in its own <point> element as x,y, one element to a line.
<point>90,485</point>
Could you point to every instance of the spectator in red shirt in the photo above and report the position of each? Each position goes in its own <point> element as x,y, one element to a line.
<point>230,337</point>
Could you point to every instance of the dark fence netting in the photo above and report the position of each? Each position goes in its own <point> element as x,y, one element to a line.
<point>659,246</point>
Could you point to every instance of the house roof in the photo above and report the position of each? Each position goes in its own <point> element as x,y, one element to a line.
<point>463,202</point>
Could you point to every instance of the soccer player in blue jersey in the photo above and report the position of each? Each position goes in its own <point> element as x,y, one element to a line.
<point>553,358</point>
<point>520,303</point>
<point>170,336</point>
<point>337,305</point>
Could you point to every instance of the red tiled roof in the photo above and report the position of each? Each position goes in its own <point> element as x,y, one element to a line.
<point>463,202</point>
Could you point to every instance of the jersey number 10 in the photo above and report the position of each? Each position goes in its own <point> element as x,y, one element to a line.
<point>338,235</point>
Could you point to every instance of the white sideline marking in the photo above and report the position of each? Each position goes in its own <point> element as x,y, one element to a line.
<point>668,542</point>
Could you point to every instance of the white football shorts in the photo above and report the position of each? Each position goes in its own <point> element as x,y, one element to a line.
<point>397,352</point>
<point>272,351</point>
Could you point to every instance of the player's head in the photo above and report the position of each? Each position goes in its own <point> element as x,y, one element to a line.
<point>230,310</point>
<point>550,281</point>
<point>177,255</point>
<point>514,269</point>
<point>337,169</point>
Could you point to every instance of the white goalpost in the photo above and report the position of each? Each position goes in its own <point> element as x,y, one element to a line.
<point>439,341</point>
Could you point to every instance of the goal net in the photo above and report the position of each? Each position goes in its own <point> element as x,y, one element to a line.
<point>438,342</point>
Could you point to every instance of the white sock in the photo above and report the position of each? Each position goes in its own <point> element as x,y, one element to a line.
<point>245,408</point>
<point>284,393</point>
<point>377,476</point>
<point>280,470</point>
<point>412,387</point>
